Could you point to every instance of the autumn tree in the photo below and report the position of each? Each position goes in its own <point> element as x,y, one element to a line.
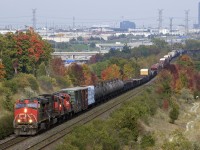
<point>95,58</point>
<point>58,67</point>
<point>185,61</point>
<point>89,77</point>
<point>2,71</point>
<point>128,71</point>
<point>76,74</point>
<point>111,72</point>
<point>24,52</point>
<point>99,67</point>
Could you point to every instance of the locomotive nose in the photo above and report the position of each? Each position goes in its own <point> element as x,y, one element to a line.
<point>24,129</point>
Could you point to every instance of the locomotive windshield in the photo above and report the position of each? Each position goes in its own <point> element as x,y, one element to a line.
<point>32,105</point>
<point>29,105</point>
<point>20,105</point>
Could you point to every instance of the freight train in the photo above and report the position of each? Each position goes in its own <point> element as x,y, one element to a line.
<point>32,115</point>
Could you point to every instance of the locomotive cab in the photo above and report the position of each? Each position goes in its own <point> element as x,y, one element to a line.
<point>26,116</point>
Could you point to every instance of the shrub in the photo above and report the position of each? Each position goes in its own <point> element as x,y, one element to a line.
<point>147,141</point>
<point>28,92</point>
<point>47,83</point>
<point>7,102</point>
<point>63,82</point>
<point>41,70</point>
<point>11,84</point>
<point>174,113</point>
<point>21,81</point>
<point>6,125</point>
<point>179,142</point>
<point>33,82</point>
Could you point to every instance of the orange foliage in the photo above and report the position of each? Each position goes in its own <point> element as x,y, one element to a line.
<point>89,77</point>
<point>31,43</point>
<point>111,72</point>
<point>185,58</point>
<point>2,71</point>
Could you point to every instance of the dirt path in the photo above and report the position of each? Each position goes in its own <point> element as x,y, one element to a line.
<point>190,124</point>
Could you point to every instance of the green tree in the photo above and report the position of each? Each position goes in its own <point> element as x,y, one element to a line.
<point>126,49</point>
<point>41,70</point>
<point>174,113</point>
<point>159,43</point>
<point>192,44</point>
<point>80,38</point>
<point>99,67</point>
<point>92,45</point>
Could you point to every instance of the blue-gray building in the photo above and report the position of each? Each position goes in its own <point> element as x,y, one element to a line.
<point>127,25</point>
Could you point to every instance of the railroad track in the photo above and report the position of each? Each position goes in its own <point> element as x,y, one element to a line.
<point>12,142</point>
<point>52,138</point>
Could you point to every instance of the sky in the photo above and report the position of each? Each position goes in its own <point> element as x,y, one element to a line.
<point>96,12</point>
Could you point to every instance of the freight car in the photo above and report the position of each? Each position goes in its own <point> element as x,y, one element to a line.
<point>35,114</point>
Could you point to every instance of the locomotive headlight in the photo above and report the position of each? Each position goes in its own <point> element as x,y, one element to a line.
<point>30,121</point>
<point>25,110</point>
<point>18,120</point>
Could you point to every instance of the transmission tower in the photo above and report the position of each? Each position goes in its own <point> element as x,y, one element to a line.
<point>171,24</point>
<point>34,19</point>
<point>186,21</point>
<point>160,19</point>
<point>170,28</point>
<point>73,22</point>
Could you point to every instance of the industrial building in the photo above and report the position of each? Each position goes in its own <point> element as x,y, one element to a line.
<point>125,25</point>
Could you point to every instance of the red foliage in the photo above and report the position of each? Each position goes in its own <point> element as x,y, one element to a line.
<point>89,77</point>
<point>175,74</point>
<point>75,72</point>
<point>29,43</point>
<point>187,72</point>
<point>197,81</point>
<point>166,105</point>
<point>58,67</point>
<point>95,58</point>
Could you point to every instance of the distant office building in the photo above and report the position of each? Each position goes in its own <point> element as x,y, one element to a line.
<point>125,25</point>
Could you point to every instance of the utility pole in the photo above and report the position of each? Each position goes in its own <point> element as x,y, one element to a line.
<point>160,19</point>
<point>73,22</point>
<point>34,18</point>
<point>171,26</point>
<point>186,22</point>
